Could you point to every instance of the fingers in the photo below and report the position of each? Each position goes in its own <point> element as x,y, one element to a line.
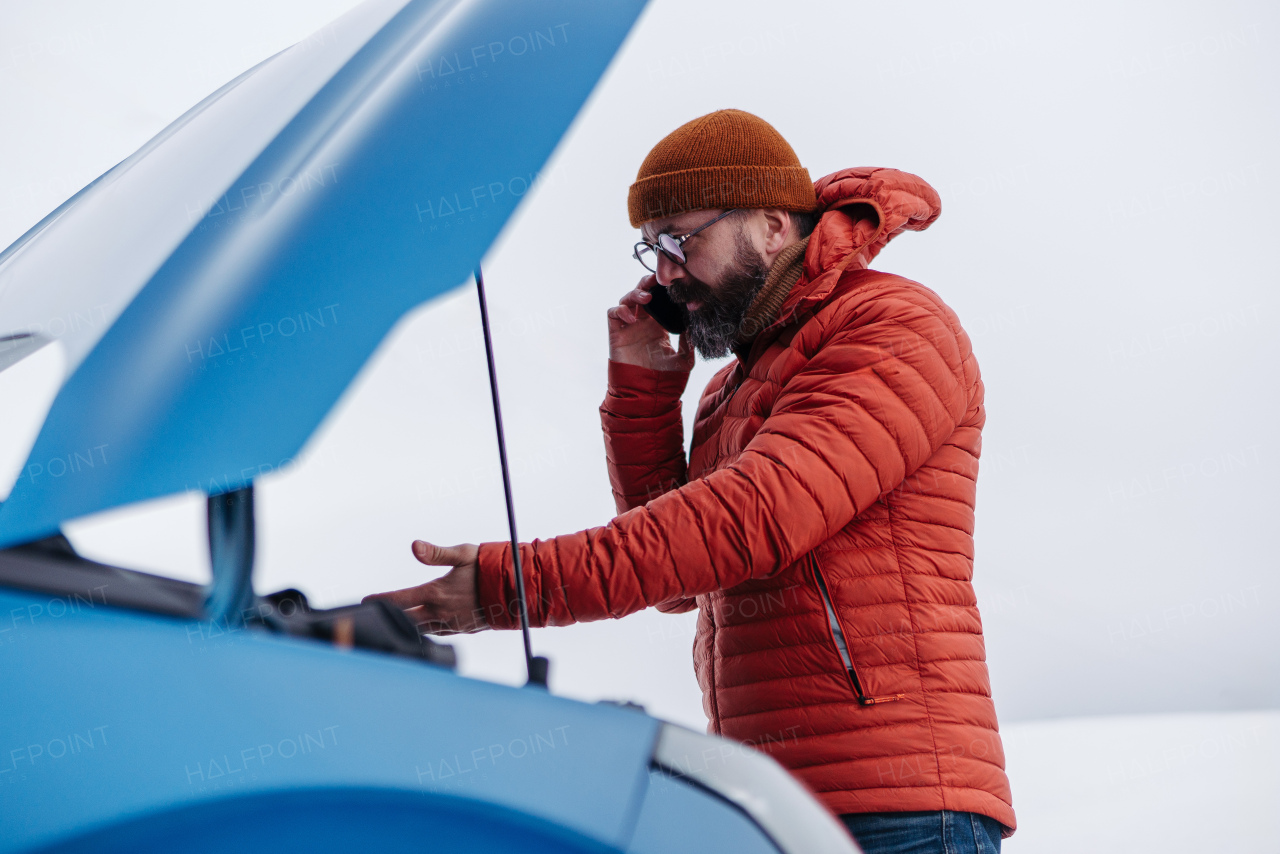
<point>433,620</point>
<point>427,605</point>
<point>627,311</point>
<point>429,623</point>
<point>634,299</point>
<point>409,597</point>
<point>640,293</point>
<point>621,316</point>
<point>641,289</point>
<point>449,604</point>
<point>433,555</point>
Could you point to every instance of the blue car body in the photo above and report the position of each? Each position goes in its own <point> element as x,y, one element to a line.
<point>235,273</point>
<point>130,731</point>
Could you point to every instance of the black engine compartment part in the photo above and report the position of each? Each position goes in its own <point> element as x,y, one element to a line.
<point>52,566</point>
<point>375,625</point>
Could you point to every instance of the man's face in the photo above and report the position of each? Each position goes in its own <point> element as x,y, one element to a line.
<point>722,274</point>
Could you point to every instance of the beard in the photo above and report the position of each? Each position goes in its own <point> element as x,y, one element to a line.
<point>717,324</point>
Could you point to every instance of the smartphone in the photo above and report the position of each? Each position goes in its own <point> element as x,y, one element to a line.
<point>670,314</point>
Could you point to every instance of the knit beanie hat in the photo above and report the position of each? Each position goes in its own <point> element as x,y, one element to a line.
<point>725,159</point>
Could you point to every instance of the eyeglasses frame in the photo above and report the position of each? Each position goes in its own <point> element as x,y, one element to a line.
<point>679,240</point>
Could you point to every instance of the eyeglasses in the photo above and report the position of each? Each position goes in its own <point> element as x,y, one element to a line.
<point>670,245</point>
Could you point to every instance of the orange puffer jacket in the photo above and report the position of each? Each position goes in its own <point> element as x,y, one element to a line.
<point>823,527</point>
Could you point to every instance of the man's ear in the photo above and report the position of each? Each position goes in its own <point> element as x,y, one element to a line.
<point>778,231</point>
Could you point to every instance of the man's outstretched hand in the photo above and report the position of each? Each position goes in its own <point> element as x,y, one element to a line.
<point>449,605</point>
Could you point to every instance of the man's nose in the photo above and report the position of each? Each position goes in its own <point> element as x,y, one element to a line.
<point>668,271</point>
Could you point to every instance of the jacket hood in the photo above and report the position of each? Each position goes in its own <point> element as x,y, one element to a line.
<point>863,208</point>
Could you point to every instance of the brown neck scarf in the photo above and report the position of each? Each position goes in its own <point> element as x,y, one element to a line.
<point>782,276</point>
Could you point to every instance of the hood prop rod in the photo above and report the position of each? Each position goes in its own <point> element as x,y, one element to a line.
<point>229,596</point>
<point>536,666</point>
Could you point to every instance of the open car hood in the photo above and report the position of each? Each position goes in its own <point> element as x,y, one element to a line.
<point>218,290</point>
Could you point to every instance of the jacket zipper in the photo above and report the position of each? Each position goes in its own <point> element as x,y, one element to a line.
<point>711,662</point>
<point>842,646</point>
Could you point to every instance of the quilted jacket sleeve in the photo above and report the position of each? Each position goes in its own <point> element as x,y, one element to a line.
<point>643,433</point>
<point>886,388</point>
<point>644,440</point>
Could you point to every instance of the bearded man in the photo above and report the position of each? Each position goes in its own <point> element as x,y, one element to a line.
<point>822,522</point>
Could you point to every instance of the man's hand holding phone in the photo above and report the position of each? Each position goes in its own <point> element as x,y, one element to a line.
<point>635,338</point>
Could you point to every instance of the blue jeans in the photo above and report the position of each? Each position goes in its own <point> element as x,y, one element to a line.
<point>944,832</point>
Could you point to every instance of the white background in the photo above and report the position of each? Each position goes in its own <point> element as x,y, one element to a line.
<point>1108,180</point>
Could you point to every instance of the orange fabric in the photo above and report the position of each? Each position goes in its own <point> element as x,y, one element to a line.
<point>725,159</point>
<point>842,451</point>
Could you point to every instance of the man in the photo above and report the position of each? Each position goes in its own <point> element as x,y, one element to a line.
<point>823,521</point>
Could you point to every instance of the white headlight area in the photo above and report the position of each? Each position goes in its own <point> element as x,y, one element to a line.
<point>756,784</point>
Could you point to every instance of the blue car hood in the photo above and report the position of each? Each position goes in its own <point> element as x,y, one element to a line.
<point>217,291</point>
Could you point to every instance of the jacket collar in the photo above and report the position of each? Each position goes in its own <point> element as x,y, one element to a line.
<point>787,269</point>
<point>863,209</point>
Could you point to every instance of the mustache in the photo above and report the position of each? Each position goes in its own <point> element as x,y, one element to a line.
<point>690,289</point>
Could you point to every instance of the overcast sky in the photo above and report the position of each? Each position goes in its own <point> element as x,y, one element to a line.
<point>1107,238</point>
